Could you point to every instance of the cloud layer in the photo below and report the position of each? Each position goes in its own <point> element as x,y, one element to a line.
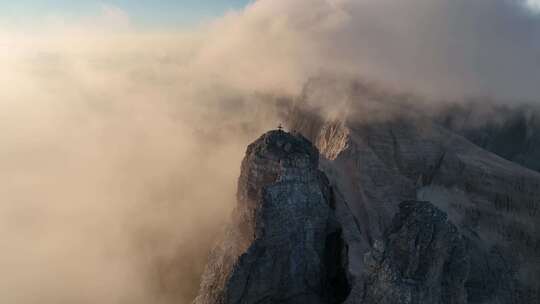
<point>442,48</point>
<point>120,148</point>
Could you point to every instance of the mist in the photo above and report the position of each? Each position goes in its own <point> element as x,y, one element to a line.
<point>120,147</point>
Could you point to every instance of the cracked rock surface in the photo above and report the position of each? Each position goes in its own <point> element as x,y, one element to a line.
<point>422,259</point>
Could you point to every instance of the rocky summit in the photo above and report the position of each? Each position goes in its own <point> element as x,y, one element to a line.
<point>284,244</point>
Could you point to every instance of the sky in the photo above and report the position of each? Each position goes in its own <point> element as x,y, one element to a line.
<point>144,13</point>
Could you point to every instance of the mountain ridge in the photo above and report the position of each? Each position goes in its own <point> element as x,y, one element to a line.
<point>370,169</point>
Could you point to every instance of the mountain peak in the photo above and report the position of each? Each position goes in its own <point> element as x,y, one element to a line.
<point>284,244</point>
<point>285,146</point>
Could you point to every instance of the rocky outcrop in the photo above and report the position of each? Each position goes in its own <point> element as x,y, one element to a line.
<point>284,244</point>
<point>375,162</point>
<point>300,237</point>
<point>422,259</point>
<point>493,202</point>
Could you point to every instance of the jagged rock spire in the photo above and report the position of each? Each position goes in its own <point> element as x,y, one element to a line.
<point>284,244</point>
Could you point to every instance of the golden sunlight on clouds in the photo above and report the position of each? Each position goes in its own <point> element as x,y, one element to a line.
<point>120,148</point>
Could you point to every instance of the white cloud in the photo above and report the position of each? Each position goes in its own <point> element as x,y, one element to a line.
<point>533,5</point>
<point>123,145</point>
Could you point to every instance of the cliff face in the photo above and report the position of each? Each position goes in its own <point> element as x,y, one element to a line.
<point>284,244</point>
<point>493,202</point>
<point>422,259</point>
<point>359,233</point>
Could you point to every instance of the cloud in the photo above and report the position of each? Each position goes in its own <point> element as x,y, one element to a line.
<point>442,48</point>
<point>115,16</point>
<point>533,5</point>
<point>120,147</point>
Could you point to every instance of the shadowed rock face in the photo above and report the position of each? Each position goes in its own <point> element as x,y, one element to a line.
<point>510,132</point>
<point>284,244</point>
<point>479,166</point>
<point>422,259</point>
<point>297,235</point>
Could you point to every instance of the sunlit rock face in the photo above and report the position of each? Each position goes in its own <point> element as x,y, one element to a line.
<point>284,244</point>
